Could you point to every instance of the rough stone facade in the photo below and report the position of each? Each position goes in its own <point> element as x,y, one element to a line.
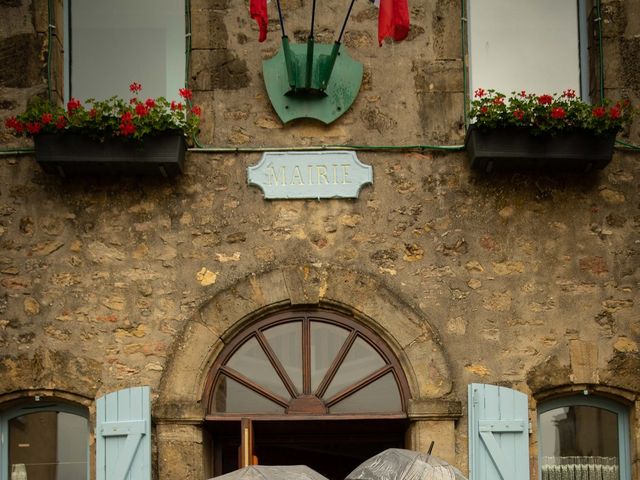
<point>526,280</point>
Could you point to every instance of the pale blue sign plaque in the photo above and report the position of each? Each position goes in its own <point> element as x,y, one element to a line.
<point>327,174</point>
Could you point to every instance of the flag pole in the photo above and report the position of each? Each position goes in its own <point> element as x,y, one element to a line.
<point>326,75</point>
<point>281,18</point>
<point>310,42</point>
<point>344,24</point>
<point>288,56</point>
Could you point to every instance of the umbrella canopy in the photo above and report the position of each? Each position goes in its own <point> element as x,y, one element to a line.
<point>273,472</point>
<point>399,464</point>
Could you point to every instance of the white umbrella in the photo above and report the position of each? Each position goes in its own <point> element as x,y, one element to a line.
<point>399,464</point>
<point>272,472</point>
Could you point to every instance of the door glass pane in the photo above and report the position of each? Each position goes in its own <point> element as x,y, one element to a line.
<point>48,446</point>
<point>580,439</point>
<point>361,361</point>
<point>251,361</point>
<point>233,397</point>
<point>286,342</point>
<point>381,396</point>
<point>326,340</point>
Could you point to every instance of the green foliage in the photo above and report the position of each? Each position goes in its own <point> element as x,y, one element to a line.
<point>547,114</point>
<point>115,117</point>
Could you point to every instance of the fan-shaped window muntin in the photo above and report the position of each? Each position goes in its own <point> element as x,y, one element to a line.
<point>310,363</point>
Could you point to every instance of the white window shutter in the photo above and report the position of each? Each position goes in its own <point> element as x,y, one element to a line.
<point>123,435</point>
<point>498,433</point>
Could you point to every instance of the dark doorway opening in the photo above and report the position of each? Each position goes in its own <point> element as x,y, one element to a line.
<point>331,447</point>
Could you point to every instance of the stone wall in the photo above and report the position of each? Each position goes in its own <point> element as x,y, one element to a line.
<point>523,280</point>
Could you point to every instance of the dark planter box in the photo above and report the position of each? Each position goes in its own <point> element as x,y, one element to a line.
<point>71,155</point>
<point>516,149</point>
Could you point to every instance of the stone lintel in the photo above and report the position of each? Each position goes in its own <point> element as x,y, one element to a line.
<point>432,409</point>
<point>182,413</point>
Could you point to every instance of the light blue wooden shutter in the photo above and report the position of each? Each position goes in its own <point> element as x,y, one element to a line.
<point>498,433</point>
<point>123,435</point>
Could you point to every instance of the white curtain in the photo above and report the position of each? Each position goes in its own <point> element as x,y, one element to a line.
<point>580,468</point>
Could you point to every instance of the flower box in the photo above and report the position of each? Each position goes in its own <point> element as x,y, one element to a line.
<point>71,154</point>
<point>513,148</point>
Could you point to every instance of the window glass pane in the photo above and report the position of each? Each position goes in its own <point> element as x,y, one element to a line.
<point>251,361</point>
<point>527,45</point>
<point>49,446</point>
<point>233,397</point>
<point>326,341</point>
<point>382,396</point>
<point>286,342</point>
<point>361,361</point>
<point>579,438</point>
<point>120,41</point>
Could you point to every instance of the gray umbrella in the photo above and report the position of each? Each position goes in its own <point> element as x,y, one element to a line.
<point>399,464</point>
<point>273,472</point>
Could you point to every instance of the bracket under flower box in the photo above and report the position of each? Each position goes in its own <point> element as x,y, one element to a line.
<point>73,155</point>
<point>517,149</point>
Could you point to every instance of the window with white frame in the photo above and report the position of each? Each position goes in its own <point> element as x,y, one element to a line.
<point>113,43</point>
<point>583,436</point>
<point>44,441</point>
<point>538,46</point>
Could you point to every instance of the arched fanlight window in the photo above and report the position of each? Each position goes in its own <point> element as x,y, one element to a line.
<point>307,363</point>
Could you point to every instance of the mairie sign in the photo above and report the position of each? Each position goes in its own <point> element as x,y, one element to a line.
<point>327,174</point>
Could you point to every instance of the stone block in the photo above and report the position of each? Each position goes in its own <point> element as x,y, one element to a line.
<point>22,65</point>
<point>208,29</point>
<point>218,69</point>
<point>180,451</point>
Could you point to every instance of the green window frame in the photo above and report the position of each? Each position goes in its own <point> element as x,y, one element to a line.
<point>599,402</point>
<point>40,406</point>
<point>588,48</point>
<point>162,74</point>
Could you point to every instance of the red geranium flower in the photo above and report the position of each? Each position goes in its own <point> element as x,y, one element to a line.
<point>150,102</point>
<point>73,105</point>
<point>545,99</point>
<point>558,112</point>
<point>196,110</point>
<point>498,101</point>
<point>126,117</point>
<point>186,93</point>
<point>484,109</point>
<point>479,93</point>
<point>46,118</point>
<point>523,94</point>
<point>599,112</point>
<point>33,127</point>
<point>175,105</point>
<point>127,129</point>
<point>519,114</point>
<point>135,87</point>
<point>15,124</point>
<point>92,113</point>
<point>142,109</point>
<point>615,112</point>
<point>61,122</point>
<point>569,93</point>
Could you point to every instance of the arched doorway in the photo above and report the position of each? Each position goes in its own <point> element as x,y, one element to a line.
<point>305,386</point>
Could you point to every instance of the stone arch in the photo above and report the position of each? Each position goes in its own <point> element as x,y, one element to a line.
<point>578,366</point>
<point>46,371</point>
<point>407,332</point>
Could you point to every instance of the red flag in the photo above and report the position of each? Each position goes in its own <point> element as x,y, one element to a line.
<point>258,11</point>
<point>393,20</point>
